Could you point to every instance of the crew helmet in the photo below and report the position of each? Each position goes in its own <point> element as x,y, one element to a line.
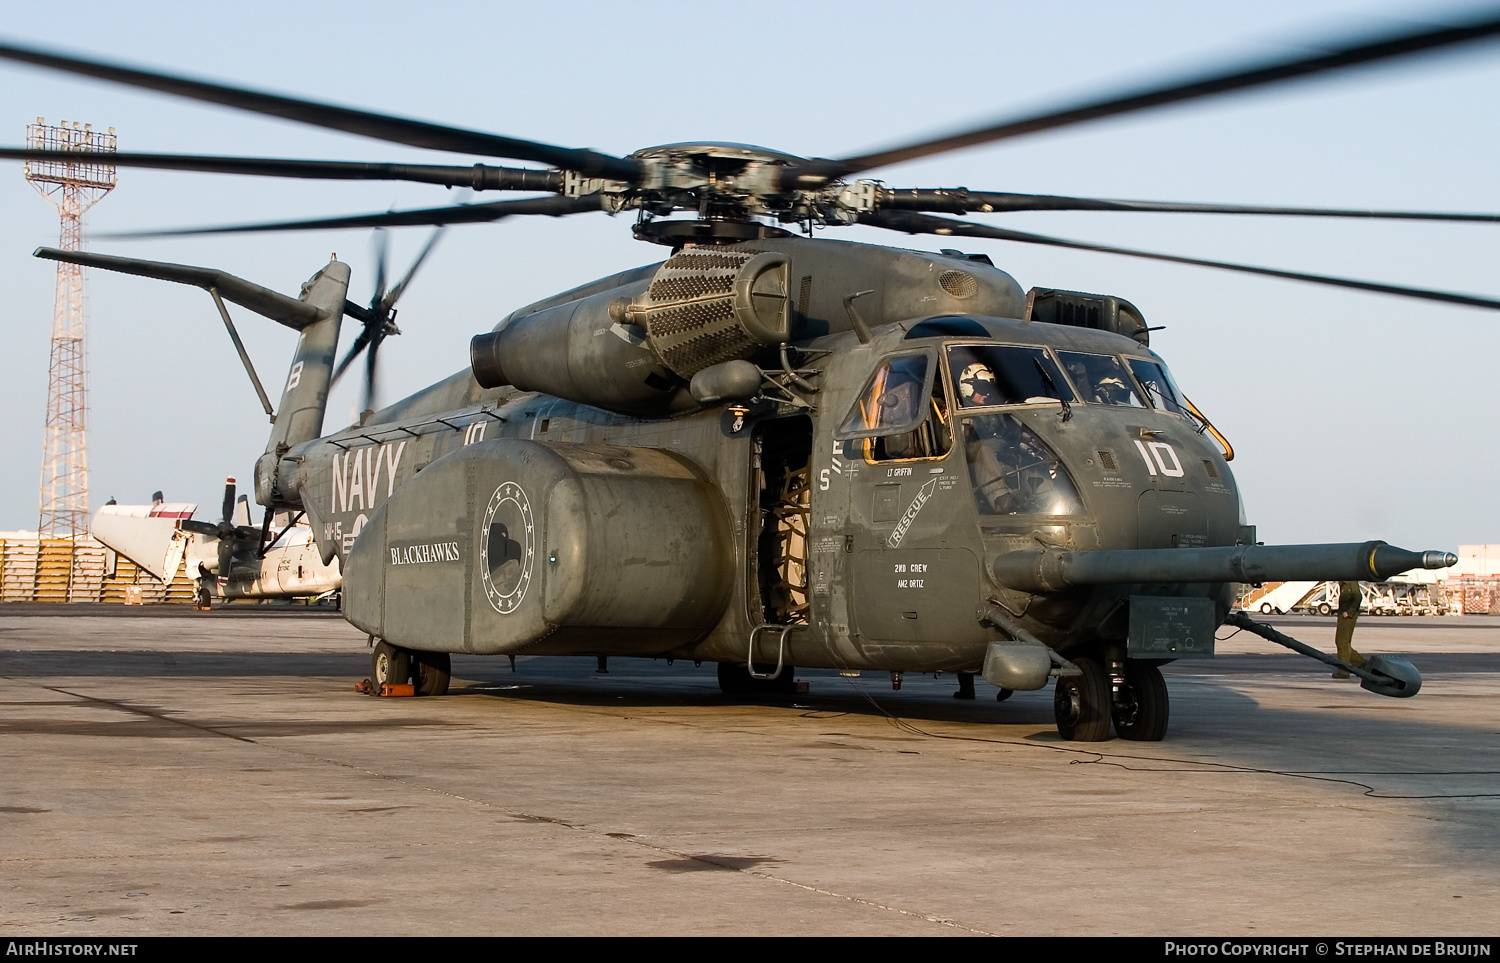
<point>973,376</point>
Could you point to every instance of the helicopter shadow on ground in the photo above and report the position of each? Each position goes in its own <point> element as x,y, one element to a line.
<point>652,685</point>
<point>1336,743</point>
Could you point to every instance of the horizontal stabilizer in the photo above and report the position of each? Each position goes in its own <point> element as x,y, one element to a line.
<point>278,307</point>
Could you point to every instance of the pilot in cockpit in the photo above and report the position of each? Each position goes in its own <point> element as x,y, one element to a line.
<point>976,387</point>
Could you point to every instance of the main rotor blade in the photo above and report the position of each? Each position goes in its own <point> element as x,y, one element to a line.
<point>399,130</point>
<point>459,214</point>
<point>1335,57</point>
<point>962,200</point>
<point>945,227</point>
<point>480,177</point>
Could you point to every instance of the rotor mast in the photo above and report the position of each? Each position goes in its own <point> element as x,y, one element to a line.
<point>73,186</point>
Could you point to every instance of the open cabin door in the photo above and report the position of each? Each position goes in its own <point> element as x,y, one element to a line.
<point>782,502</point>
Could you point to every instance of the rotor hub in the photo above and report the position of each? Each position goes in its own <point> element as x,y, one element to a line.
<point>721,183</point>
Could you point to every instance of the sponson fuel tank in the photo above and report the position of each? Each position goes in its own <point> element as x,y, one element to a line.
<point>518,546</point>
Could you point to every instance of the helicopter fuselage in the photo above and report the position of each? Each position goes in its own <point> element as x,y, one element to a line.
<point>796,527</point>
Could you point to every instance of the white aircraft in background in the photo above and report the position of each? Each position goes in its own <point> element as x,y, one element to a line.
<point>232,559</point>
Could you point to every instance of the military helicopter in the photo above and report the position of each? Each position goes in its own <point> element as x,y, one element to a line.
<point>769,450</point>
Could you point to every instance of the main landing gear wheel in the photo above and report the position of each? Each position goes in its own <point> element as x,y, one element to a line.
<point>389,665</point>
<point>736,680</point>
<point>1081,703</point>
<point>1142,716</point>
<point>432,671</point>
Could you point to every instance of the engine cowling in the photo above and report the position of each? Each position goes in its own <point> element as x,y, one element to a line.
<point>632,349</point>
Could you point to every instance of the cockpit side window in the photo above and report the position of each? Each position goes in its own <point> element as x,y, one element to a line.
<point>1162,393</point>
<point>1101,379</point>
<point>903,412</point>
<point>1005,374</point>
<point>892,398</point>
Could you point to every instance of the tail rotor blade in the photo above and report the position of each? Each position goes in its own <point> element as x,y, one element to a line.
<point>370,357</point>
<point>381,244</point>
<point>400,288</point>
<point>354,350</point>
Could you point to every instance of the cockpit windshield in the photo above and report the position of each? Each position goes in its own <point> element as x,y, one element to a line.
<point>1005,374</point>
<point>1159,387</point>
<point>1015,472</point>
<point>1101,379</point>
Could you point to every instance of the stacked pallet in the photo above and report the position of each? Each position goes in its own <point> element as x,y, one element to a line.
<point>86,582</point>
<point>73,570</point>
<point>18,578</point>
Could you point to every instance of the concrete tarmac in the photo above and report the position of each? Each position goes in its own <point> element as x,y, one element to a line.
<point>166,773</point>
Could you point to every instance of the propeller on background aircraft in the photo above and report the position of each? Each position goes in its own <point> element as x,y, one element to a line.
<point>225,530</point>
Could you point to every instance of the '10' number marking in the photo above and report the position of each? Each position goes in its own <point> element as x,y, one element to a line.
<point>1156,455</point>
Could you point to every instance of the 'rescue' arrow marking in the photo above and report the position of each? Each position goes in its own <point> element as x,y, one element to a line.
<point>910,515</point>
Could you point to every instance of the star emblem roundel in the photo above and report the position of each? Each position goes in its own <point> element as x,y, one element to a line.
<point>507,547</point>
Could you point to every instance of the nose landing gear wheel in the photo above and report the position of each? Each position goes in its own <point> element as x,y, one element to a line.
<point>1143,715</point>
<point>1081,703</point>
<point>389,665</point>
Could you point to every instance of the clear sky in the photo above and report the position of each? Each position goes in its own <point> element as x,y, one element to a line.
<point>1354,415</point>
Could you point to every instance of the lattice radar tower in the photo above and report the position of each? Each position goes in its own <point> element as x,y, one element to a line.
<point>73,186</point>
